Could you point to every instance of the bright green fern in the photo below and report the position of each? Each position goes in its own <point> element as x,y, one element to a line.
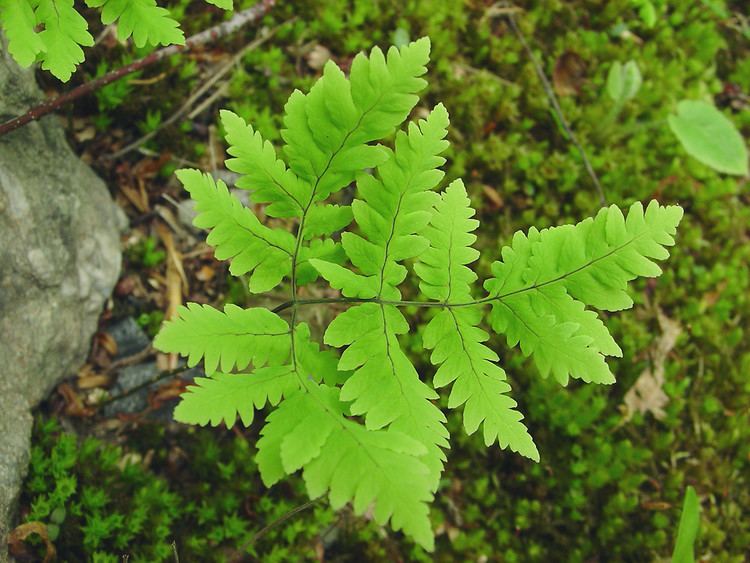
<point>362,424</point>
<point>53,32</point>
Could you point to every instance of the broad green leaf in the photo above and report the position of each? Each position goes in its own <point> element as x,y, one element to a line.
<point>18,21</point>
<point>236,233</point>
<point>647,12</point>
<point>710,137</point>
<point>687,532</point>
<point>228,339</point>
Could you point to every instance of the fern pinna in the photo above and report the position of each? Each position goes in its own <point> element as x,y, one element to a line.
<point>362,426</point>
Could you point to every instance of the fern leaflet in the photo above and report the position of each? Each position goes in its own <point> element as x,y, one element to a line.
<point>535,287</point>
<point>453,334</point>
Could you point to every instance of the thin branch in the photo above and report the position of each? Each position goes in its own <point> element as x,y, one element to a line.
<point>552,98</point>
<point>158,377</point>
<point>443,305</point>
<point>196,95</point>
<point>239,20</point>
<point>280,520</point>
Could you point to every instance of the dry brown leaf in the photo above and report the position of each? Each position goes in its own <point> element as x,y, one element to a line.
<point>175,281</point>
<point>317,57</point>
<point>166,361</point>
<point>137,197</point>
<point>73,402</point>
<point>569,74</point>
<point>89,378</point>
<point>647,394</point>
<point>656,505</point>
<point>18,535</point>
<point>206,273</point>
<point>85,134</point>
<point>495,199</point>
<point>106,341</point>
<point>166,393</point>
<point>93,381</point>
<point>174,258</point>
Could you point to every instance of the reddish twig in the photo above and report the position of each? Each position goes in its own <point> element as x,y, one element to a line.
<point>239,20</point>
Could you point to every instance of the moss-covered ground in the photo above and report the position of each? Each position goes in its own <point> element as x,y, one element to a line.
<point>610,483</point>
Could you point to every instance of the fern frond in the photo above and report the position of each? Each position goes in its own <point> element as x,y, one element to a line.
<point>327,130</point>
<point>223,396</point>
<point>535,287</point>
<point>324,220</point>
<point>539,294</point>
<point>237,233</point>
<point>453,334</point>
<point>228,339</point>
<point>595,259</point>
<point>146,22</point>
<point>319,250</point>
<point>308,431</point>
<point>65,32</point>
<point>385,386</point>
<point>393,208</point>
<point>18,21</point>
<point>223,4</point>
<point>267,176</point>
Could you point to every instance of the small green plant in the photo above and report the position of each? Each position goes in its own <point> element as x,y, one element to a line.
<point>146,252</point>
<point>705,133</point>
<point>687,532</point>
<point>710,137</point>
<point>362,426</point>
<point>94,500</point>
<point>53,31</point>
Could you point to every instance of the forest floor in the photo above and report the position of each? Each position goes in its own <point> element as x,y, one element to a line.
<point>111,474</point>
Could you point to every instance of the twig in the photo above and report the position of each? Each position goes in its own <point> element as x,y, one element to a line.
<point>158,377</point>
<point>239,20</point>
<point>549,91</point>
<point>280,520</point>
<point>136,358</point>
<point>196,95</point>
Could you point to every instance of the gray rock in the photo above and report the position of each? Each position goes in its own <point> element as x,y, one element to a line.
<point>129,337</point>
<point>130,378</point>
<point>59,259</point>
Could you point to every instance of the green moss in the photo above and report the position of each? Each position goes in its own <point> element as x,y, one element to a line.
<point>606,487</point>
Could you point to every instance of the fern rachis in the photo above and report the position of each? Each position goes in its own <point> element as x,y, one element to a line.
<point>538,296</point>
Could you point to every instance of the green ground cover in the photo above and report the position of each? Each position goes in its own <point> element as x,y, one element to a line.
<point>611,481</point>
